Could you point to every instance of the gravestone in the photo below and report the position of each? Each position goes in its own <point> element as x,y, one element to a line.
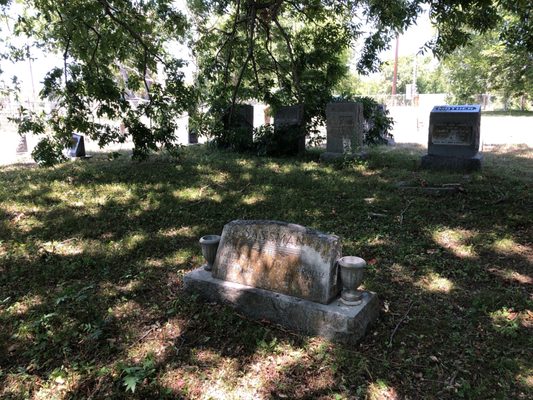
<point>193,136</point>
<point>285,273</point>
<point>77,148</point>
<point>238,127</point>
<point>242,118</point>
<point>289,123</point>
<point>22,145</point>
<point>453,139</point>
<point>285,258</point>
<point>345,133</point>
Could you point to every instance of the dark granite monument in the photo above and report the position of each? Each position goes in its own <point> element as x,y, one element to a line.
<point>77,148</point>
<point>239,127</point>
<point>285,273</point>
<point>243,118</point>
<point>453,140</point>
<point>289,122</point>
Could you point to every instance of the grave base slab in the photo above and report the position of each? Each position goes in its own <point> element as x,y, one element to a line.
<point>436,162</point>
<point>334,321</point>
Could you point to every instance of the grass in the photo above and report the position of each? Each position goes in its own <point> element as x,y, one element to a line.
<point>508,113</point>
<point>92,256</point>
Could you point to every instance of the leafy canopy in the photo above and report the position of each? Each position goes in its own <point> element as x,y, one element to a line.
<point>120,78</point>
<point>111,52</point>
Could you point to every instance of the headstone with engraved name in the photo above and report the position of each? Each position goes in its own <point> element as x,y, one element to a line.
<point>344,123</point>
<point>290,121</point>
<point>282,257</point>
<point>454,136</point>
<point>285,273</point>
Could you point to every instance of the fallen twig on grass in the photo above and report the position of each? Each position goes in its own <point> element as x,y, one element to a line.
<point>378,215</point>
<point>405,210</point>
<point>399,323</point>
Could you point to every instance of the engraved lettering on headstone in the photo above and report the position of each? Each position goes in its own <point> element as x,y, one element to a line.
<point>281,257</point>
<point>344,122</point>
<point>453,134</point>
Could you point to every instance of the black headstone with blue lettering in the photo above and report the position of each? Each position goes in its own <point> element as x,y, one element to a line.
<point>454,138</point>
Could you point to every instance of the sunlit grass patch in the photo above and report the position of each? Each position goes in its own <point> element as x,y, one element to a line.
<point>380,390</point>
<point>156,341</point>
<point>183,231</point>
<point>58,385</point>
<point>23,305</point>
<point>133,240</point>
<point>506,321</point>
<point>253,199</point>
<point>18,385</point>
<point>509,246</point>
<point>400,273</point>
<point>458,241</point>
<point>126,310</point>
<point>512,276</point>
<point>527,379</point>
<point>173,259</point>
<point>433,282</point>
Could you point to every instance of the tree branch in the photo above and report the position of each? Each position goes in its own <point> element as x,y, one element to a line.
<point>230,52</point>
<point>108,10</point>
<point>251,30</point>
<point>295,75</point>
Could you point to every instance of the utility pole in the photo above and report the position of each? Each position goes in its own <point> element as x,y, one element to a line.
<point>31,77</point>
<point>415,74</point>
<point>395,73</point>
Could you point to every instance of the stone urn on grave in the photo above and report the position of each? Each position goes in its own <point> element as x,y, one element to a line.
<point>352,271</point>
<point>209,245</point>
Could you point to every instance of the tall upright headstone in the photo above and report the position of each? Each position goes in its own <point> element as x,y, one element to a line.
<point>345,128</point>
<point>289,122</point>
<point>243,117</point>
<point>453,138</point>
<point>240,120</point>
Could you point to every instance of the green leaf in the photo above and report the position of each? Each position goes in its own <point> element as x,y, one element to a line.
<point>130,381</point>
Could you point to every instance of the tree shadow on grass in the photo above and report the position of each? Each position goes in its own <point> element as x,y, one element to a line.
<point>94,290</point>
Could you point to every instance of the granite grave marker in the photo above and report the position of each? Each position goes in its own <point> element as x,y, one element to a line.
<point>242,118</point>
<point>285,258</point>
<point>289,120</point>
<point>344,125</point>
<point>286,273</point>
<point>453,138</point>
<point>22,145</point>
<point>77,148</point>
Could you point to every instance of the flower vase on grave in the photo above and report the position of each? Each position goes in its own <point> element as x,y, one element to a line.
<point>209,245</point>
<point>352,272</point>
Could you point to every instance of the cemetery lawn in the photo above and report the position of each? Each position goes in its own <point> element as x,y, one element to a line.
<point>92,258</point>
